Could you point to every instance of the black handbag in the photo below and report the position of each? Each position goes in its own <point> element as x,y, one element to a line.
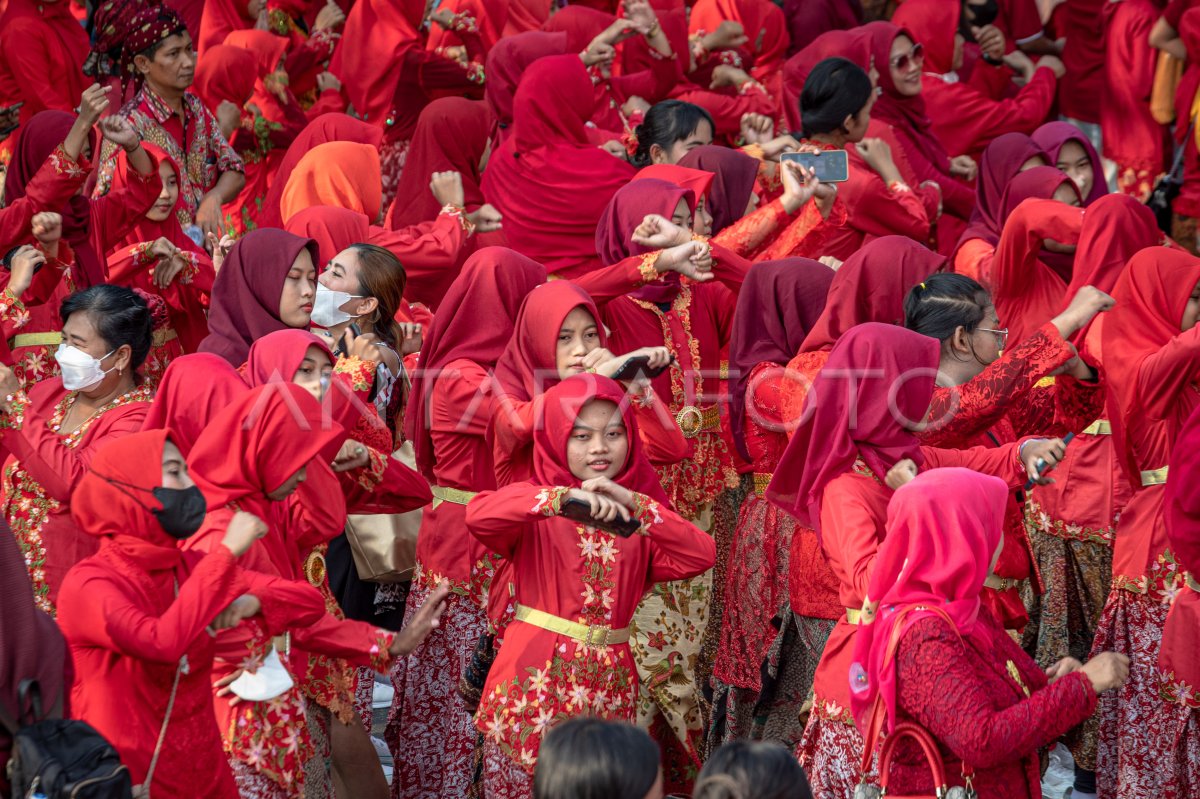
<point>1168,187</point>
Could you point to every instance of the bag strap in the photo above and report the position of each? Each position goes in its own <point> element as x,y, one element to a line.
<point>162,733</point>
<point>1176,172</point>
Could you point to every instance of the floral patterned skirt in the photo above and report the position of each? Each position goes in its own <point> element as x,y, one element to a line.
<point>830,752</point>
<point>431,735</point>
<point>1148,747</point>
<point>503,777</point>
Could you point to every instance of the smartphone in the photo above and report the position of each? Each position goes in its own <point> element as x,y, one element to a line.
<point>1042,466</point>
<point>579,511</point>
<point>15,107</point>
<point>639,366</point>
<point>830,166</point>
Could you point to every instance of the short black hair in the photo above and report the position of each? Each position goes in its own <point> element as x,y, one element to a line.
<point>121,317</point>
<point>752,770</point>
<point>945,302</point>
<point>666,123</point>
<point>590,758</point>
<point>835,89</point>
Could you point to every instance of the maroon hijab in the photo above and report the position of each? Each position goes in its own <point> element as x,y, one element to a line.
<point>246,293</point>
<point>896,109</point>
<point>1000,163</point>
<point>777,306</point>
<point>1053,135</point>
<point>734,183</point>
<point>628,207</point>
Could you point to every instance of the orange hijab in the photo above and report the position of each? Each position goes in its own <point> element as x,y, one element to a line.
<point>340,174</point>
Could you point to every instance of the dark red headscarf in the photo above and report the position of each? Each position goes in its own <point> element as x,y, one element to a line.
<point>1053,135</point>
<point>1038,183</point>
<point>871,286</point>
<point>245,298</point>
<point>934,25</point>
<point>1000,163</point>
<point>628,207</point>
<point>370,56</point>
<point>506,63</point>
<point>193,390</point>
<point>777,306</point>
<point>451,135</point>
<point>734,183</point>
<point>322,130</point>
<point>475,321</point>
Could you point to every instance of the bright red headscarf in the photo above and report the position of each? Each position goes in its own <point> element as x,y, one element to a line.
<point>370,56</point>
<point>1181,510</point>
<point>560,408</point>
<point>942,530</point>
<point>547,180</point>
<point>476,321</point>
<point>871,286</point>
<point>893,370</point>
<point>341,174</point>
<point>225,73</point>
<point>193,390</point>
<point>526,15</point>
<point>698,181</point>
<point>333,229</point>
<point>276,356</point>
<point>580,23</point>
<point>147,229</point>
<point>854,45</point>
<point>933,24</point>
<point>221,18</point>
<point>452,135</point>
<point>529,364</point>
<point>505,65</point>
<point>322,130</point>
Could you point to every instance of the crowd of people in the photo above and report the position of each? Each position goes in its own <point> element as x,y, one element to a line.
<point>518,354</point>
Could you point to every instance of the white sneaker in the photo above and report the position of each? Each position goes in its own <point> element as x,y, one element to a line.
<point>382,694</point>
<point>387,774</point>
<point>381,747</point>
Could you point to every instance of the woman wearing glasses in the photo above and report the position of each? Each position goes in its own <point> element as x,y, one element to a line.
<point>989,394</point>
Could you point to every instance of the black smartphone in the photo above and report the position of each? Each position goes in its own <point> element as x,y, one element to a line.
<point>830,166</point>
<point>639,366</point>
<point>341,348</point>
<point>579,511</point>
<point>8,110</point>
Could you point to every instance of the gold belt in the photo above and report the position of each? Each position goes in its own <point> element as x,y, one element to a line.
<point>1100,427</point>
<point>853,615</point>
<point>1045,382</point>
<point>1154,477</point>
<point>54,338</point>
<point>693,421</point>
<point>586,634</point>
<point>314,569</point>
<point>455,496</point>
<point>997,583</point>
<point>761,481</point>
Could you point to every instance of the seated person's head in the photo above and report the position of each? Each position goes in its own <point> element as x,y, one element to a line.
<point>589,758</point>
<point>752,770</point>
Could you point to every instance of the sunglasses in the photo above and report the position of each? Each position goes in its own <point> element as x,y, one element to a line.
<point>914,56</point>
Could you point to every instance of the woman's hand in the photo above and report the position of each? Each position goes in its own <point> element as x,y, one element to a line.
<point>208,215</point>
<point>411,338</point>
<point>447,188</point>
<point>47,229</point>
<point>1062,668</point>
<point>990,40</point>
<point>244,607</point>
<point>1042,454</point>
<point>726,75</point>
<point>602,485</point>
<point>423,622</point>
<point>799,185</point>
<point>229,118</point>
<point>598,51</point>
<point>640,15</point>
<point>219,248</point>
<point>222,686</point>
<point>635,105</point>
<point>327,81</point>
<point>1052,63</point>
<point>9,385</point>
<point>878,156</point>
<point>486,218</point>
<point>1085,305</point>
<point>964,166</point>
<point>757,128</point>
<point>658,233</point>
<point>93,103</point>
<point>779,145</point>
<point>1106,671</point>
<point>24,262</point>
<point>727,36</point>
<point>167,269</point>
<point>602,507</point>
<point>443,17</point>
<point>120,131</point>
<point>903,472</point>
<point>657,358</point>
<point>352,455</point>
<point>243,530</point>
<point>329,17</point>
<point>692,259</point>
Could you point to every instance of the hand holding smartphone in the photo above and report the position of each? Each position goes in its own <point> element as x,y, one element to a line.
<point>829,166</point>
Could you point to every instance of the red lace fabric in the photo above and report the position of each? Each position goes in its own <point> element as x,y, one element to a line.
<point>757,571</point>
<point>989,706</point>
<point>770,233</point>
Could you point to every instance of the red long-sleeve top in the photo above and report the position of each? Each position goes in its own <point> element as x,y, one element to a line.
<point>966,120</point>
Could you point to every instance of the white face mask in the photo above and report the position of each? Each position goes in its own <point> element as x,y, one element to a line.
<point>327,307</point>
<point>80,371</point>
<point>271,680</point>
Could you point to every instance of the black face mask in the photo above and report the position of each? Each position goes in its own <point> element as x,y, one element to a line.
<point>182,511</point>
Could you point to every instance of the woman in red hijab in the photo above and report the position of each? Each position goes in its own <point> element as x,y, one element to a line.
<point>863,431</point>
<point>193,390</point>
<point>929,653</point>
<point>139,614</point>
<point>586,448</point>
<point>549,183</point>
<point>322,130</point>
<point>226,74</point>
<point>1151,353</point>
<point>506,63</point>
<point>778,304</point>
<point>157,257</point>
<point>42,50</point>
<point>267,283</point>
<point>452,401</point>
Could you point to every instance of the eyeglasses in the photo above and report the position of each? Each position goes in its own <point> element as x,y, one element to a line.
<point>1001,335</point>
<point>913,56</point>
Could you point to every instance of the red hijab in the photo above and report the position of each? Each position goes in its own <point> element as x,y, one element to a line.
<point>1181,511</point>
<point>697,181</point>
<point>148,229</point>
<point>226,73</point>
<point>268,49</point>
<point>735,174</point>
<point>529,364</point>
<point>896,109</point>
<point>370,57</point>
<point>854,45</point>
<point>547,180</point>
<point>777,306</point>
<point>898,368</point>
<point>1039,183</point>
<point>934,25</point>
<point>506,63</point>
<point>526,15</point>
<point>1000,163</point>
<point>246,294</point>
<point>561,406</point>
<point>322,130</point>
<point>628,207</point>
<point>275,357</point>
<point>580,23</point>
<point>942,530</point>
<point>1053,135</point>
<point>475,321</point>
<point>333,229</point>
<point>193,390</point>
<point>221,18</point>
<point>36,141</point>
<point>48,31</point>
<point>1151,296</point>
<point>452,135</point>
<point>871,286</point>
